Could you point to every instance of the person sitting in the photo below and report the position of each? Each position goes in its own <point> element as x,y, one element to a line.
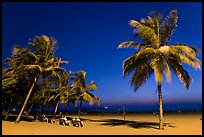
<point>77,122</point>
<point>36,117</point>
<point>52,120</point>
<point>64,121</point>
<point>44,118</point>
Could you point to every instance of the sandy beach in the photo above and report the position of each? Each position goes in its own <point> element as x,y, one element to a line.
<point>112,124</point>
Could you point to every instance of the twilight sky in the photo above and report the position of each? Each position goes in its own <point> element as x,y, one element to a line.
<point>88,35</point>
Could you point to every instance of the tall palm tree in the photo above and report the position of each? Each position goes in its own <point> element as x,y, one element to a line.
<point>154,55</point>
<point>81,91</point>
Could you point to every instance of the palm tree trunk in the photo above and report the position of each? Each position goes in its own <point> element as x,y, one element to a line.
<point>30,108</point>
<point>56,107</point>
<point>7,113</point>
<point>26,100</point>
<point>79,109</point>
<point>161,123</point>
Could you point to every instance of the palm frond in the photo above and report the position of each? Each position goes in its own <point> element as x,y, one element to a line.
<point>50,68</point>
<point>134,23</point>
<point>81,77</point>
<point>137,59</point>
<point>25,52</point>
<point>91,86</point>
<point>131,44</point>
<point>7,73</point>
<point>57,76</point>
<point>180,71</point>
<point>167,71</point>
<point>131,63</point>
<point>166,49</point>
<point>50,61</point>
<point>95,98</point>
<point>187,49</point>
<point>62,99</point>
<point>87,97</point>
<point>51,98</point>
<point>141,74</point>
<point>147,52</point>
<point>151,22</point>
<point>8,82</point>
<point>157,64</point>
<point>30,67</point>
<point>187,54</point>
<point>167,27</point>
<point>156,15</point>
<point>45,38</point>
<point>17,49</point>
<point>194,62</point>
<point>64,62</point>
<point>146,33</point>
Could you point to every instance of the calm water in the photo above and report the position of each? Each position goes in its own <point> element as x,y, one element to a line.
<point>132,108</point>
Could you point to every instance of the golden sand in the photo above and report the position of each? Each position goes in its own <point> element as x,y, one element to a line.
<point>99,124</point>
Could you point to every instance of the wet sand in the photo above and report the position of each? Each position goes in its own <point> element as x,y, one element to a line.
<point>112,124</point>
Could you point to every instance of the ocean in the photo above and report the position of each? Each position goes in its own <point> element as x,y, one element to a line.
<point>184,107</point>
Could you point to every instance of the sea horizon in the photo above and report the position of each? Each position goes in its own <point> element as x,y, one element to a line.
<point>118,108</point>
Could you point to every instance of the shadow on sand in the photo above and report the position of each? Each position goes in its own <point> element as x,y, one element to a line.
<point>105,122</point>
<point>132,124</point>
<point>12,118</point>
<point>29,118</point>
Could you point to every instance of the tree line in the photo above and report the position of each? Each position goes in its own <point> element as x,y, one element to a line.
<point>33,78</point>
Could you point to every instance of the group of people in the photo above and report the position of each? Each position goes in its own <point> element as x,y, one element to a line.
<point>75,121</point>
<point>63,121</point>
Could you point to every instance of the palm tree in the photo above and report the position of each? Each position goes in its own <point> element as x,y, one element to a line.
<point>59,88</point>
<point>81,91</point>
<point>35,64</point>
<point>55,96</point>
<point>154,55</point>
<point>12,89</point>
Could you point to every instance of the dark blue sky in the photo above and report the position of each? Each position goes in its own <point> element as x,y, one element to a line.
<point>88,35</point>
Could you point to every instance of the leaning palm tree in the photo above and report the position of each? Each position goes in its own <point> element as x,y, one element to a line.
<point>34,64</point>
<point>13,89</point>
<point>81,91</point>
<point>154,55</point>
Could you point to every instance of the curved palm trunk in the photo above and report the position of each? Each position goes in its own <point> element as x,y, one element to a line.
<point>26,100</point>
<point>79,108</point>
<point>56,107</point>
<point>7,113</point>
<point>161,123</point>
